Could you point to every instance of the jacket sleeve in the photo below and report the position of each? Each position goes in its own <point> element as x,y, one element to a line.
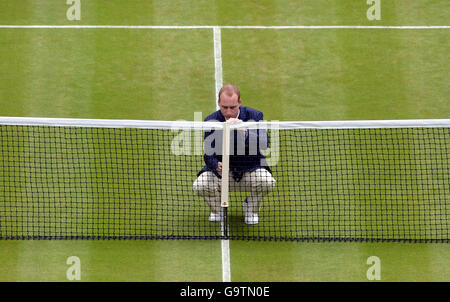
<point>210,157</point>
<point>257,137</point>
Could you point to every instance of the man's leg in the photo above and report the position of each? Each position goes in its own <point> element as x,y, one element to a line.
<point>259,183</point>
<point>207,185</point>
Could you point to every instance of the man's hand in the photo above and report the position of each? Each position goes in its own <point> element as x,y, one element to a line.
<point>236,121</point>
<point>219,168</point>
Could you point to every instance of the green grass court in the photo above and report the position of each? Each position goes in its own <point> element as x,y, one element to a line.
<point>168,74</point>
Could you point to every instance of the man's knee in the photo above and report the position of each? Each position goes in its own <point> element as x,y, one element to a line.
<point>268,183</point>
<point>197,187</point>
<point>205,184</point>
<point>264,181</point>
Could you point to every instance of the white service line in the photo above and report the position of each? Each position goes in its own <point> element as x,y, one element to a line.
<point>106,26</point>
<point>335,27</point>
<point>226,271</point>
<point>218,62</point>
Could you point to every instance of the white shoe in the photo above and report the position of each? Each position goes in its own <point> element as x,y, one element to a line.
<point>215,217</point>
<point>250,217</point>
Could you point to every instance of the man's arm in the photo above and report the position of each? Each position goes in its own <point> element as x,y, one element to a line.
<point>257,138</point>
<point>210,157</point>
<point>210,153</point>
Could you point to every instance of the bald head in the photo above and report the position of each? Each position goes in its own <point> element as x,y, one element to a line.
<point>229,100</point>
<point>229,89</point>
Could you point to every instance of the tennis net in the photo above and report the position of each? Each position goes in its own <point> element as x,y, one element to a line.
<point>117,179</point>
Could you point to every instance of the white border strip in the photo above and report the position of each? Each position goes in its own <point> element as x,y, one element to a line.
<point>222,27</point>
<point>179,125</point>
<point>107,123</point>
<point>367,124</point>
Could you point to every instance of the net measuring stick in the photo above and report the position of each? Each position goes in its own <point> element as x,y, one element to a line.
<point>225,164</point>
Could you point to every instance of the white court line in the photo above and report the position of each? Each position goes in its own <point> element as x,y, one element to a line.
<point>223,27</point>
<point>218,62</point>
<point>335,27</point>
<point>226,271</point>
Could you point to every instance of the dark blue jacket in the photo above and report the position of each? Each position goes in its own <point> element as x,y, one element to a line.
<point>241,160</point>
